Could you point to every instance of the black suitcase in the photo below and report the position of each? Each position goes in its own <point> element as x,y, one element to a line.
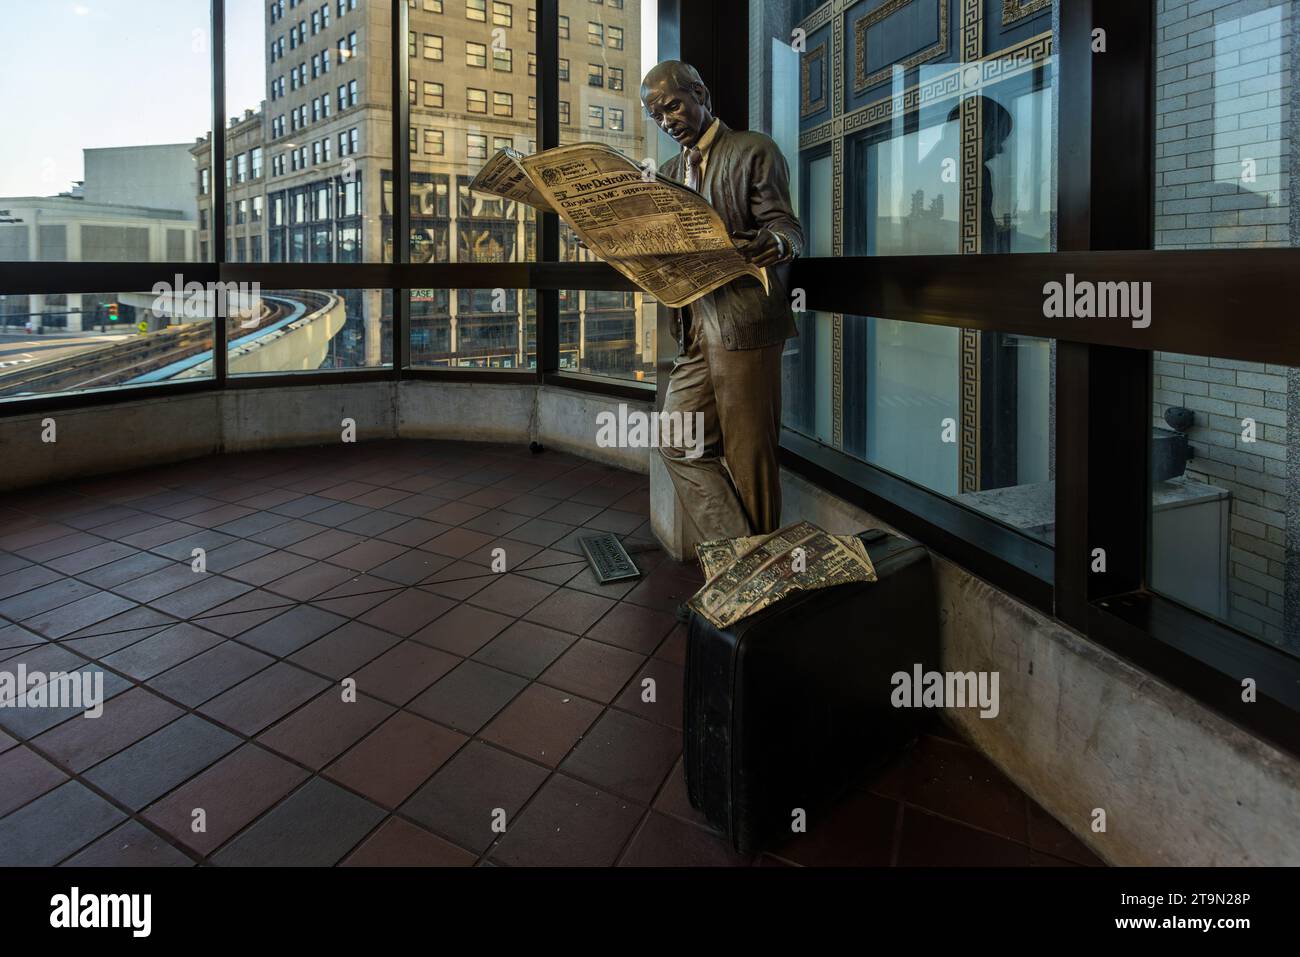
<point>787,708</point>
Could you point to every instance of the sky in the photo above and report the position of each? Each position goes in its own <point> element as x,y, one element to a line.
<point>93,73</point>
<point>78,74</point>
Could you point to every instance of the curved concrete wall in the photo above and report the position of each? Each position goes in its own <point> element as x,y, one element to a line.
<point>94,440</point>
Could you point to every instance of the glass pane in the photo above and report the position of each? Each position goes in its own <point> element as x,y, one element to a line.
<point>308,93</point>
<point>77,342</point>
<point>605,49</point>
<point>472,92</point>
<point>305,330</point>
<point>103,160</point>
<point>474,328</point>
<point>932,135</point>
<point>1225,453</point>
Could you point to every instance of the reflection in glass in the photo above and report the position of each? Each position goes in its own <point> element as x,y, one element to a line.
<point>914,166</point>
<point>1225,523</point>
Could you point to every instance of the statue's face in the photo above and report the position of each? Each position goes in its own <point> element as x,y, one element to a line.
<point>679,113</point>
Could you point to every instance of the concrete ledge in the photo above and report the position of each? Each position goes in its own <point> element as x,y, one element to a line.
<point>108,438</point>
<point>1080,728</point>
<point>305,415</point>
<point>95,440</point>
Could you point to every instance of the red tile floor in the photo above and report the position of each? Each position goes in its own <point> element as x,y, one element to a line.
<point>225,736</point>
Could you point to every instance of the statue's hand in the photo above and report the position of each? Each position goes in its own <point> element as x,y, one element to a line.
<point>759,246</point>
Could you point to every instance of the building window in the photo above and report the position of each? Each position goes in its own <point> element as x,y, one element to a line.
<point>411,140</point>
<point>433,142</point>
<point>616,38</point>
<point>477,146</point>
<point>476,100</point>
<point>564,111</point>
<point>475,54</point>
<point>532,64</point>
<point>595,74</point>
<point>258,202</point>
<point>503,104</point>
<point>532,107</point>
<point>564,69</point>
<point>205,184</point>
<point>432,47</point>
<point>564,28</point>
<point>532,19</point>
<point>411,88</point>
<point>615,119</point>
<point>595,34</point>
<point>410,43</point>
<point>433,6</point>
<point>325,105</point>
<point>433,94</point>
<point>503,14</point>
<point>615,78</point>
<point>503,60</point>
<point>616,4</point>
<point>595,117</point>
<point>476,10</point>
<point>503,143</point>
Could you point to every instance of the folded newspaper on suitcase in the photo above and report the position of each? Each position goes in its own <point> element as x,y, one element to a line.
<point>745,575</point>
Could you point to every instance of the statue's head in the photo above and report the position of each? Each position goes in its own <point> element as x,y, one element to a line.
<point>678,102</point>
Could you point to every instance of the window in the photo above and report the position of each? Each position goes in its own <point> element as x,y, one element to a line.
<point>595,74</point>
<point>532,107</point>
<point>615,78</point>
<point>503,143</point>
<point>475,54</point>
<point>433,142</point>
<point>258,202</point>
<point>412,139</point>
<point>564,69</point>
<point>433,6</point>
<point>325,104</point>
<point>564,111</point>
<point>476,100</point>
<point>476,10</point>
<point>433,94</point>
<point>204,182</point>
<point>503,104</point>
<point>532,64</point>
<point>410,43</point>
<point>476,144</point>
<point>615,38</point>
<point>595,34</point>
<point>564,27</point>
<point>615,118</point>
<point>503,60</point>
<point>616,4</point>
<point>532,19</point>
<point>502,14</point>
<point>241,168</point>
<point>595,116</point>
<point>432,47</point>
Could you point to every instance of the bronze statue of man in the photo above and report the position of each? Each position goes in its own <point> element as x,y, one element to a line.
<point>730,340</point>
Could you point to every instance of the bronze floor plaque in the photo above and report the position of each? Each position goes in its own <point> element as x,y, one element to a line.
<point>608,558</point>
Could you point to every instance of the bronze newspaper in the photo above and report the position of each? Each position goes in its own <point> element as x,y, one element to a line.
<point>663,236</point>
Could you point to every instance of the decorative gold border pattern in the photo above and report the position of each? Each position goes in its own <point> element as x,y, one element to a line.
<point>968,78</point>
<point>807,105</point>
<point>970,410</point>
<point>1013,10</point>
<point>972,185</point>
<point>818,18</point>
<point>861,80</point>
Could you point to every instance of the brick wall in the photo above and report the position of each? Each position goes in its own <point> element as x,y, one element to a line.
<point>1223,139</point>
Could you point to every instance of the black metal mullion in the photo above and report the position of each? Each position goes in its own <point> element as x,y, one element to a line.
<point>548,224</point>
<point>217,157</point>
<point>1103,401</point>
<point>401,73</point>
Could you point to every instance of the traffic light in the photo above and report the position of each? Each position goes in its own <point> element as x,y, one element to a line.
<point>112,312</point>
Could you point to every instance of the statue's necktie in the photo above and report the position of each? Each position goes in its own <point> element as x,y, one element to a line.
<point>693,160</point>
